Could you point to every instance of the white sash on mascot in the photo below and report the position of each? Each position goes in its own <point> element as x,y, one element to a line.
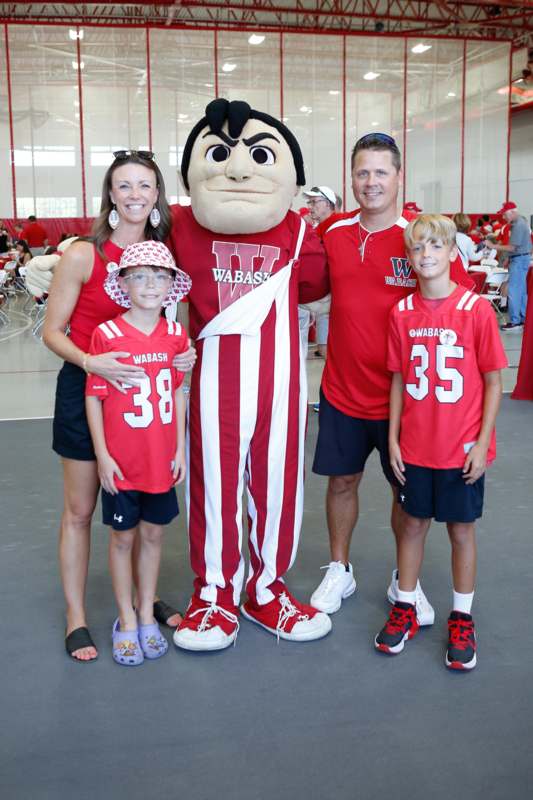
<point>246,315</point>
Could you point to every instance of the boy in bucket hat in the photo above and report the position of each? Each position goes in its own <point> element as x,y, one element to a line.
<point>138,433</point>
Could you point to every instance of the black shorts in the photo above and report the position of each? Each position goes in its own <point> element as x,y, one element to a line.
<point>442,494</point>
<point>71,435</point>
<point>344,443</point>
<point>126,509</point>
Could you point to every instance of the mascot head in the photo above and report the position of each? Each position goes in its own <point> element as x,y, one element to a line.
<point>241,167</point>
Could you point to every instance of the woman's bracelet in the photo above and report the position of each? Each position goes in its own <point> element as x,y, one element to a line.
<point>84,362</point>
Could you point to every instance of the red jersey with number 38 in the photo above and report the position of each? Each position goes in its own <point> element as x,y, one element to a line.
<point>140,426</point>
<point>442,354</point>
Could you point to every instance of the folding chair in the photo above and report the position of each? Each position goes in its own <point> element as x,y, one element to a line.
<point>492,290</point>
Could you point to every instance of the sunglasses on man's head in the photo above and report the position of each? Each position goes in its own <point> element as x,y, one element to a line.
<point>319,191</point>
<point>148,155</point>
<point>381,137</point>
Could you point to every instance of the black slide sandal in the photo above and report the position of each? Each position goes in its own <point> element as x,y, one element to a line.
<point>76,640</point>
<point>162,612</point>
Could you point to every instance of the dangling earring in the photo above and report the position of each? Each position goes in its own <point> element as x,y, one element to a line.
<point>155,217</point>
<point>113,218</point>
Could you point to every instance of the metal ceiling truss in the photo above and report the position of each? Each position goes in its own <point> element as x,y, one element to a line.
<point>488,19</point>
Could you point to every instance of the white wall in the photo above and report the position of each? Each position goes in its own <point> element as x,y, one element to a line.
<point>521,168</point>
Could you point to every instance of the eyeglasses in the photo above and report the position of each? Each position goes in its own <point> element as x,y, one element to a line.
<point>380,137</point>
<point>148,155</point>
<point>139,278</point>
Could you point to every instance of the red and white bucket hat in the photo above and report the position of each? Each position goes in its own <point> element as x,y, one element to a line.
<point>146,254</point>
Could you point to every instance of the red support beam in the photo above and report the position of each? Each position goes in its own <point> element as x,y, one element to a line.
<point>82,141</point>
<point>10,116</point>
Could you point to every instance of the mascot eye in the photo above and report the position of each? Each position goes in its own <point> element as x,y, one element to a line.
<point>217,153</point>
<point>262,155</point>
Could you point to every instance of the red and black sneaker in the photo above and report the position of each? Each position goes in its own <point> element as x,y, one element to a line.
<point>401,625</point>
<point>461,652</point>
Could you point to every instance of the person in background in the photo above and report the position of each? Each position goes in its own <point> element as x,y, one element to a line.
<point>322,203</point>
<point>36,236</point>
<point>412,207</point>
<point>4,239</point>
<point>465,245</point>
<point>519,252</point>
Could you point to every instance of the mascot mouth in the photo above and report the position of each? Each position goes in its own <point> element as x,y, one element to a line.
<point>239,191</point>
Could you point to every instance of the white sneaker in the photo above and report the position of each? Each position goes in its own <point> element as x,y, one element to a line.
<point>425,613</point>
<point>336,585</point>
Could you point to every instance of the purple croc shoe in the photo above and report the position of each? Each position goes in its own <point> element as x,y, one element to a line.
<point>153,643</point>
<point>126,647</point>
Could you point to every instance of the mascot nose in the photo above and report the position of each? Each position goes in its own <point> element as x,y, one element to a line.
<point>239,166</point>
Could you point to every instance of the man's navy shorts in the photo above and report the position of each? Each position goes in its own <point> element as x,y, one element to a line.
<point>442,494</point>
<point>344,443</point>
<point>71,434</point>
<point>126,509</point>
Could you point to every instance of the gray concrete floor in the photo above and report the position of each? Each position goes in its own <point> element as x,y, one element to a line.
<point>330,719</point>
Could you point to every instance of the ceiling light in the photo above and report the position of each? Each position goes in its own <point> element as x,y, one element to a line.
<point>76,102</point>
<point>75,34</point>
<point>371,76</point>
<point>451,94</point>
<point>255,38</point>
<point>209,85</point>
<point>228,67</point>
<point>75,65</point>
<point>304,109</point>
<point>420,48</point>
<point>334,91</point>
<point>375,124</point>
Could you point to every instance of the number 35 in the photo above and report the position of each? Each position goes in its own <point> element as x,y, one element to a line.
<point>421,389</point>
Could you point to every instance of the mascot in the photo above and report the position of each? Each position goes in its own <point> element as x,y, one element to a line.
<point>251,261</point>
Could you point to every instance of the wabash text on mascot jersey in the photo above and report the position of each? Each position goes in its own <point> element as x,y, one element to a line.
<point>251,261</point>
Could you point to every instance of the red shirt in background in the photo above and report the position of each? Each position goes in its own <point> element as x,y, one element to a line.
<point>34,234</point>
<point>442,353</point>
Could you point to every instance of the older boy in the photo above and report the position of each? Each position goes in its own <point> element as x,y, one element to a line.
<point>445,354</point>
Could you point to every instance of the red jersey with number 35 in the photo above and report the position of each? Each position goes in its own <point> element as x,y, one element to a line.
<point>140,426</point>
<point>442,354</point>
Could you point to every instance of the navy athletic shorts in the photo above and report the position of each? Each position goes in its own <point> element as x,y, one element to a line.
<point>71,435</point>
<point>344,443</point>
<point>442,494</point>
<point>126,509</point>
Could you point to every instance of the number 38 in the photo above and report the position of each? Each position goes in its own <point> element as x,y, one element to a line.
<point>142,400</point>
<point>421,389</point>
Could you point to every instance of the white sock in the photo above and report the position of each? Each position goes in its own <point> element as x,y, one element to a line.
<point>406,597</point>
<point>462,602</point>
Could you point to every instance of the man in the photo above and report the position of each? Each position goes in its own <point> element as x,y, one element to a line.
<point>519,251</point>
<point>369,273</point>
<point>36,236</point>
<point>322,203</point>
<point>251,260</point>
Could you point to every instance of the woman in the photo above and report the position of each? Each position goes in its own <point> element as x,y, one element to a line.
<point>133,208</point>
<point>465,245</point>
<point>24,253</point>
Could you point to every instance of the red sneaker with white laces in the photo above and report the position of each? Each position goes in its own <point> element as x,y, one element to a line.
<point>207,626</point>
<point>287,618</point>
<point>401,625</point>
<point>461,652</point>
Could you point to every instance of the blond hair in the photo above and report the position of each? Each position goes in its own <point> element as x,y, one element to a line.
<point>430,227</point>
<point>462,222</point>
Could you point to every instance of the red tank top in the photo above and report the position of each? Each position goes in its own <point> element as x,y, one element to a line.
<point>94,306</point>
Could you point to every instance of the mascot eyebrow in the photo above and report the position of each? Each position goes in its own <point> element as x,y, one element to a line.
<point>248,142</point>
<point>237,113</point>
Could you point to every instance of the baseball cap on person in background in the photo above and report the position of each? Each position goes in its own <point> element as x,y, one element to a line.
<point>508,206</point>
<point>322,191</point>
<point>412,206</point>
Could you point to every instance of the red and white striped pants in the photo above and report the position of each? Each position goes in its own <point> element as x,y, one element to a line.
<point>247,416</point>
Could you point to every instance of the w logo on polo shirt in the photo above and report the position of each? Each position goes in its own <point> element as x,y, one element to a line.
<point>401,273</point>
<point>400,267</point>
